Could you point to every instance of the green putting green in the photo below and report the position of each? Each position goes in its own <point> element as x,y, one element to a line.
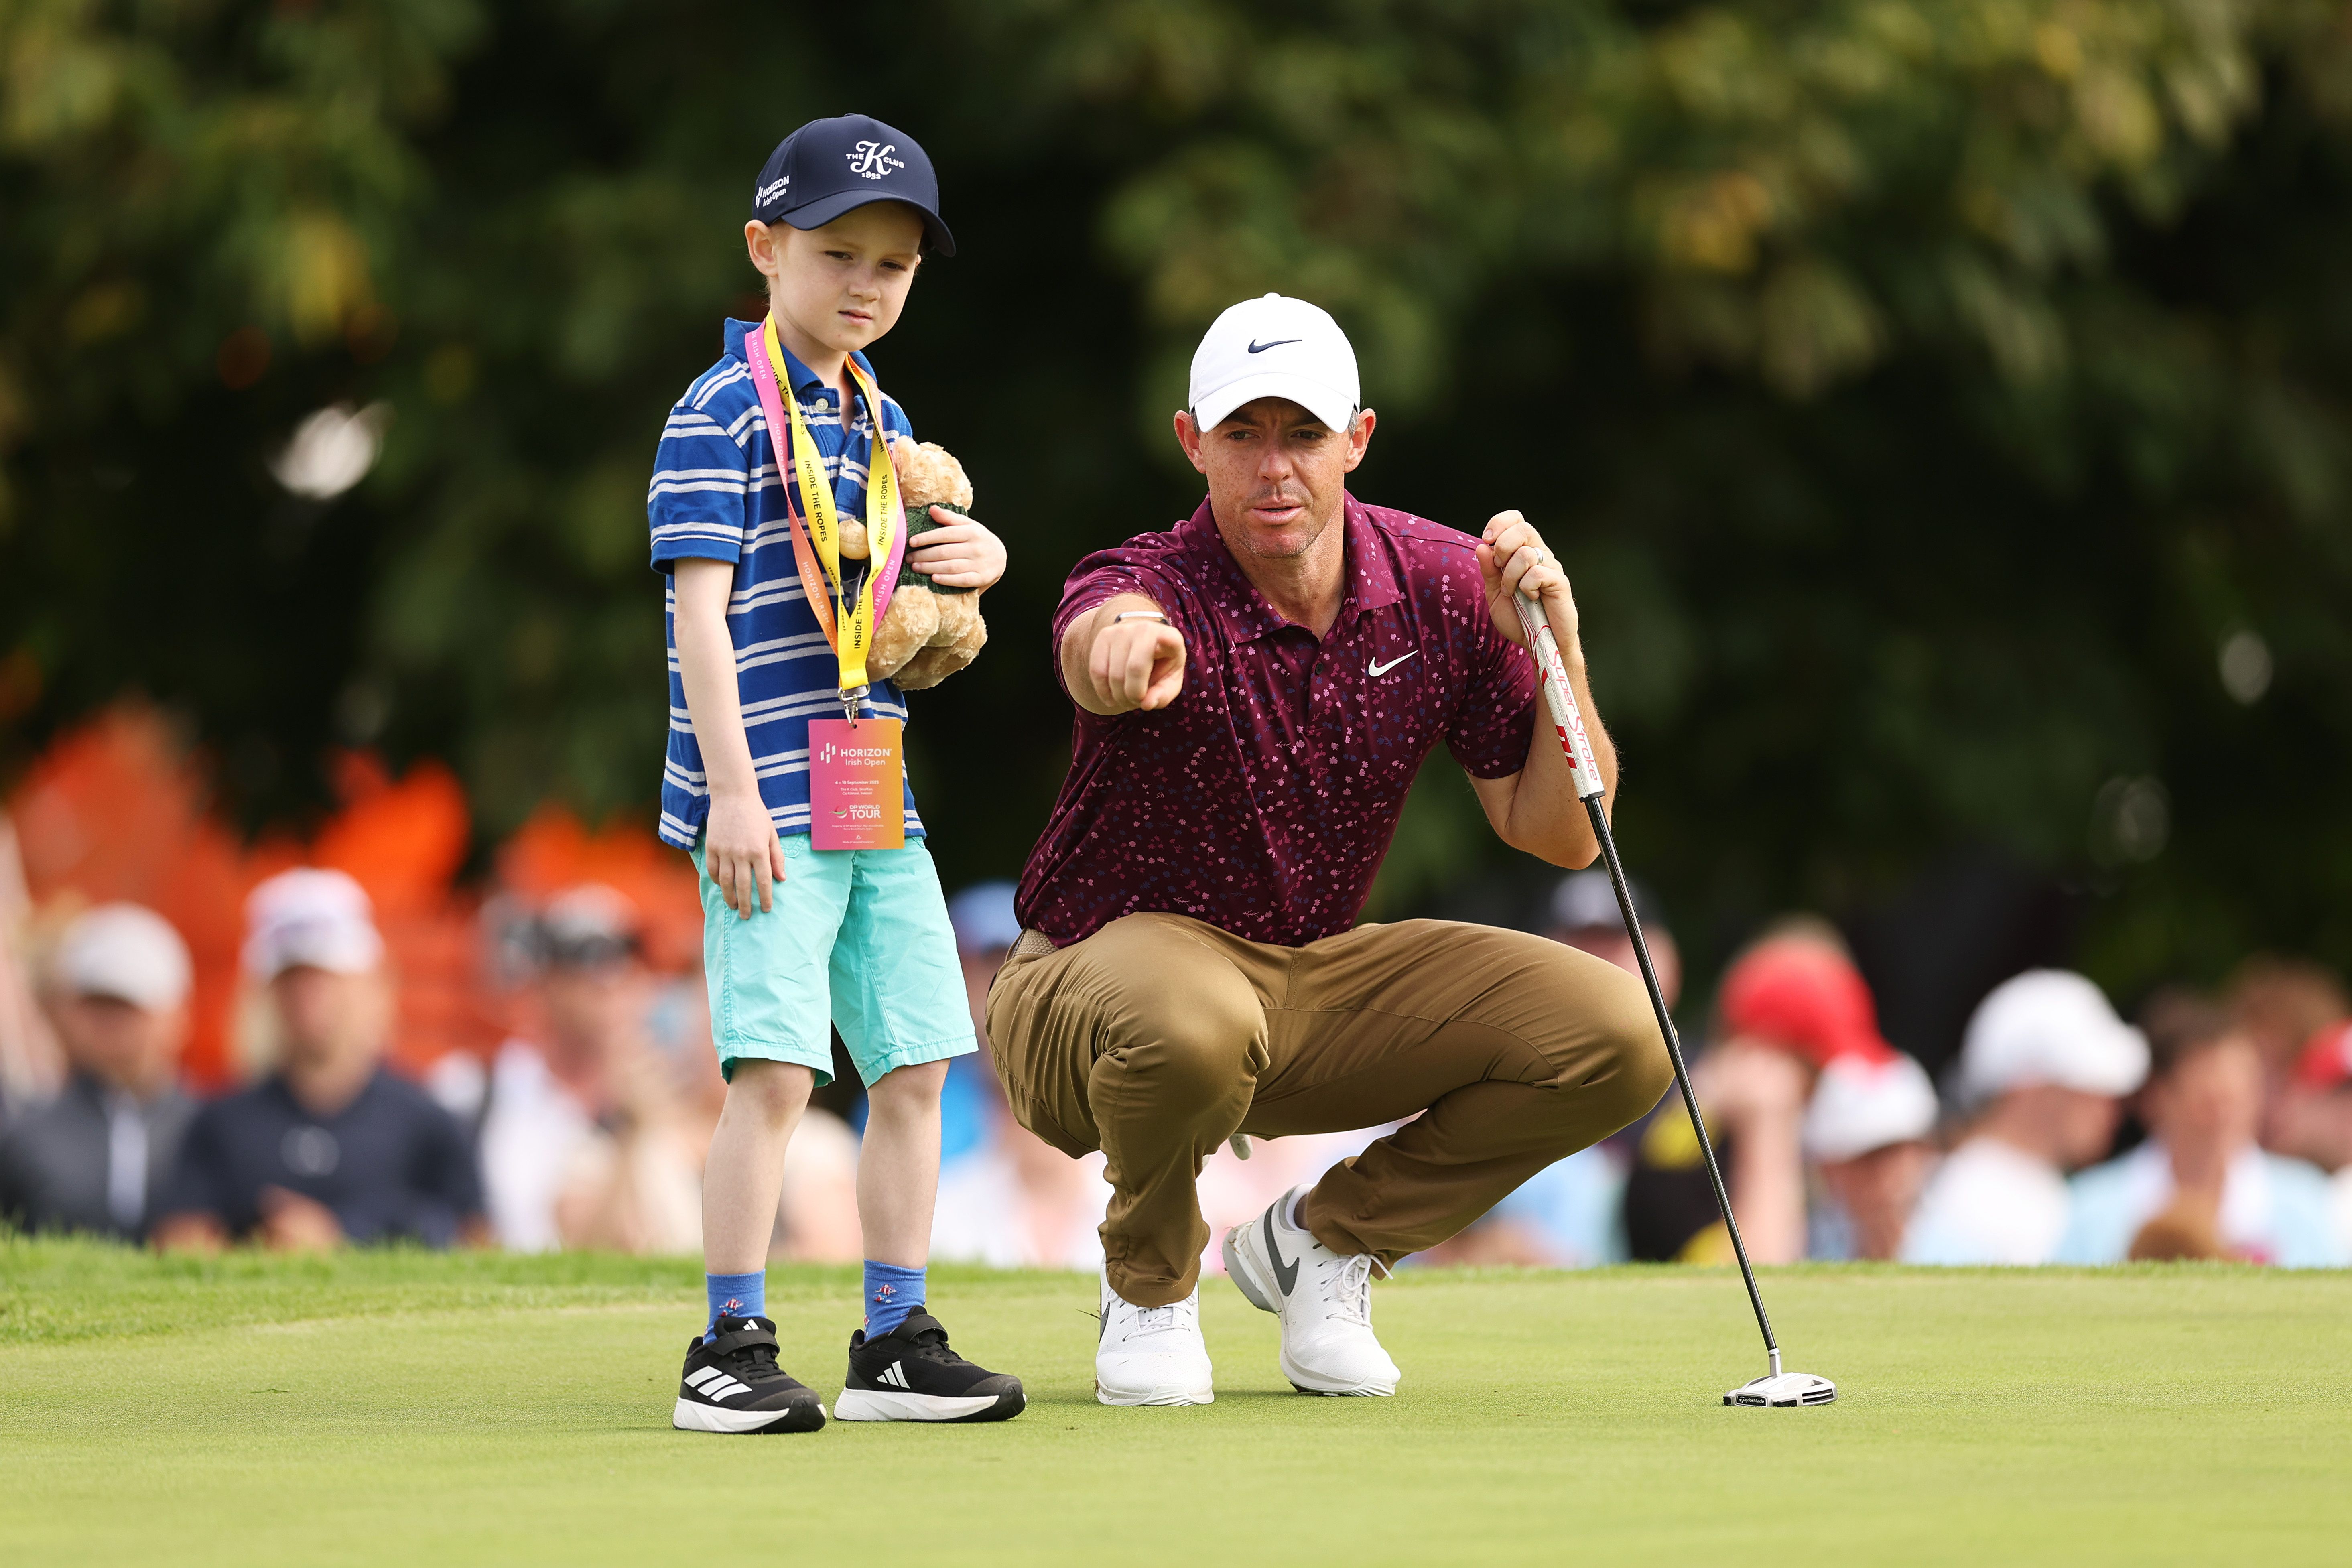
<point>397,1407</point>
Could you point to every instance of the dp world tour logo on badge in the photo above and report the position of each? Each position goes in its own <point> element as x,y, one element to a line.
<point>873,159</point>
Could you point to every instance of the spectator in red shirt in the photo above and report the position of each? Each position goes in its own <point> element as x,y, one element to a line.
<point>1257,689</point>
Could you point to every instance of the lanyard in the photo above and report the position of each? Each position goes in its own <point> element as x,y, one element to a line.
<point>848,625</point>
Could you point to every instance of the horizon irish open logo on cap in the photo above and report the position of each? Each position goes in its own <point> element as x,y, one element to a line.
<point>873,159</point>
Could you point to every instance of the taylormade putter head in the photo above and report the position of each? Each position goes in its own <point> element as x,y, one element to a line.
<point>1784,1391</point>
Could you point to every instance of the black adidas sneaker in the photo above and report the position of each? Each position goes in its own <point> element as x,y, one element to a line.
<point>909,1374</point>
<point>733,1385</point>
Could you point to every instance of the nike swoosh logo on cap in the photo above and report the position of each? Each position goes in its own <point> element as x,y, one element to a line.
<point>1284,1274</point>
<point>1258,348</point>
<point>1376,668</point>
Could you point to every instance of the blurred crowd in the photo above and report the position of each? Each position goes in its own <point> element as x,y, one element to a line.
<point>2207,1127</point>
<point>2212,1127</point>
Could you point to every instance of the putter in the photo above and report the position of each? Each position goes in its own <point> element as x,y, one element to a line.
<point>1777,1389</point>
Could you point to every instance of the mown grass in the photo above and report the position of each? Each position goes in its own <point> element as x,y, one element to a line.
<point>392,1406</point>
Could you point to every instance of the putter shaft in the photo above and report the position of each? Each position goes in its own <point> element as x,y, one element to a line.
<point>1682,1074</point>
<point>1569,726</point>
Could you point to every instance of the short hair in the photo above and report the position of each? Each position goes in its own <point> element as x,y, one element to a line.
<point>2180,1023</point>
<point>2285,1001</point>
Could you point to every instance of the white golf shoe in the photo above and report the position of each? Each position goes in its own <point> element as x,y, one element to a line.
<point>1325,1302</point>
<point>1152,1355</point>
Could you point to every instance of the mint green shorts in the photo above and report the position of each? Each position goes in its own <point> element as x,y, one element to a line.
<point>858,937</point>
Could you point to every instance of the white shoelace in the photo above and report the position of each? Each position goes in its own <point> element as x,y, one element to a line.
<point>1347,1285</point>
<point>1161,1319</point>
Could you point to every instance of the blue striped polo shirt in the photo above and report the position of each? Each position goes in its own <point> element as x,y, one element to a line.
<point>718,494</point>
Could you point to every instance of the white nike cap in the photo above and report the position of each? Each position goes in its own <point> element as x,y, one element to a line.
<point>2048,1026</point>
<point>1276,347</point>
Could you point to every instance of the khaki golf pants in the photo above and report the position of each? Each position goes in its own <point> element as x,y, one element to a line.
<point>1160,1037</point>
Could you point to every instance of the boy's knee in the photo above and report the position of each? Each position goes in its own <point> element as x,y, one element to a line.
<point>773,1091</point>
<point>911,1088</point>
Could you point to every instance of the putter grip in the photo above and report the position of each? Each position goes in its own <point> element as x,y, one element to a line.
<point>1566,721</point>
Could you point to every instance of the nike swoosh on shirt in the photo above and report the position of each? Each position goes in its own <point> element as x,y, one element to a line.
<point>1376,668</point>
<point>1284,1274</point>
<point>1258,348</point>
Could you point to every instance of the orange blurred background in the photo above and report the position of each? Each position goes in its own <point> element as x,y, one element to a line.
<point>119,809</point>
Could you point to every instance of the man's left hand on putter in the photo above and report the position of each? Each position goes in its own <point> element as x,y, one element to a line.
<point>1513,559</point>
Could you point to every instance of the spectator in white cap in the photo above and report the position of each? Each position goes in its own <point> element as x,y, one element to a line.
<point>1866,1133</point>
<point>2043,1067</point>
<point>2199,1186</point>
<point>92,1159</point>
<point>332,1147</point>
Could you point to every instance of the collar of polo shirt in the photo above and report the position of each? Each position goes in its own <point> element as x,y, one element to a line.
<point>744,336</point>
<point>1371,579</point>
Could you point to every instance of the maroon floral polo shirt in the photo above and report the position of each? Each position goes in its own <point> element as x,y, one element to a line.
<point>1264,797</point>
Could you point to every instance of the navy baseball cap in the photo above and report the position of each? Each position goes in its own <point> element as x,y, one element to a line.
<point>828,166</point>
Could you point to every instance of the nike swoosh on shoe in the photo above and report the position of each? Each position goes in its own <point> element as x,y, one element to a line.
<point>1284,1274</point>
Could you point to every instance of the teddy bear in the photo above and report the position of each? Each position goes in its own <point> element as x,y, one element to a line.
<point>930,631</point>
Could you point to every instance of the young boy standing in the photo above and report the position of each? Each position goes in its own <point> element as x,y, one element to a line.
<point>766,457</point>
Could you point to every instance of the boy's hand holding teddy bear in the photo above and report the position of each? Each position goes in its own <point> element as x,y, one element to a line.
<point>931,631</point>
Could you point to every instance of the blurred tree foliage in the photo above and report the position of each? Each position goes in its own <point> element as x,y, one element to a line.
<point>1924,392</point>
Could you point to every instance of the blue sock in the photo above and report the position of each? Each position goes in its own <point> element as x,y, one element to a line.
<point>891,1293</point>
<point>735,1296</point>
